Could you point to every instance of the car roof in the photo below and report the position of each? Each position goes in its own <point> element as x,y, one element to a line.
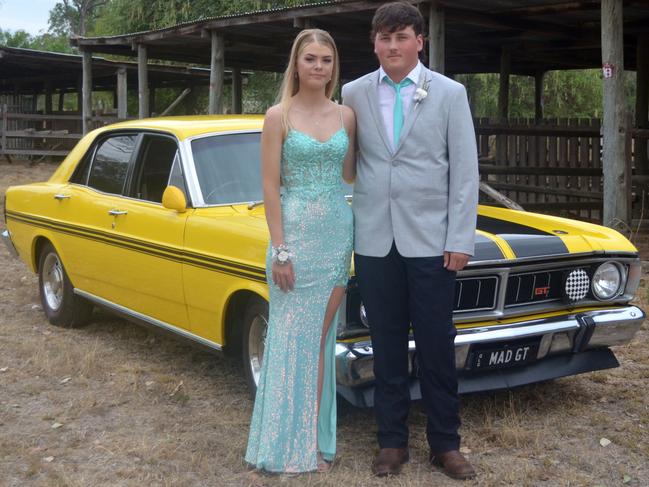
<point>189,126</point>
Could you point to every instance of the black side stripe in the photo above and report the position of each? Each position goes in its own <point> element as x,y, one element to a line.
<point>167,253</point>
<point>524,241</point>
<point>148,245</point>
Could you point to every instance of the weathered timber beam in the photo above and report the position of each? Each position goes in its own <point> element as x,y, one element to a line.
<point>225,22</point>
<point>217,71</point>
<point>142,81</point>
<point>122,93</point>
<point>176,102</point>
<point>86,91</point>
<point>614,161</point>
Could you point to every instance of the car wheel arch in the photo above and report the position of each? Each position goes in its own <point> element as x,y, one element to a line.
<point>37,247</point>
<point>235,309</point>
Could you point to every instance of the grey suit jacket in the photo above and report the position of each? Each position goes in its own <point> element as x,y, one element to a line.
<point>424,194</point>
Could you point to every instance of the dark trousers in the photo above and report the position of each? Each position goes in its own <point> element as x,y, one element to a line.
<point>399,292</point>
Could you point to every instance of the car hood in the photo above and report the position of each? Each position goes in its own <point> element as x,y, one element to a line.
<point>504,234</point>
<point>510,234</point>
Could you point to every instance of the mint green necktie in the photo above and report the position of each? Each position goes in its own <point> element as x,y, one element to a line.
<point>398,107</point>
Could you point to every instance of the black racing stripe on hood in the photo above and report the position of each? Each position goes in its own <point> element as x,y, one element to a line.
<point>486,249</point>
<point>500,227</point>
<point>525,241</point>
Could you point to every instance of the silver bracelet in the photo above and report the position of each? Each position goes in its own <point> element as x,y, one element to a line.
<point>281,254</point>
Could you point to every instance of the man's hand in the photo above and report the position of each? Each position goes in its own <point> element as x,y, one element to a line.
<point>455,261</point>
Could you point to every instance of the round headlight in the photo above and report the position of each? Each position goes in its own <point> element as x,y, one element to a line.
<point>363,314</point>
<point>606,281</point>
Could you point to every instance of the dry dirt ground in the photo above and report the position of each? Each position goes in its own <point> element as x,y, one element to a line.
<point>114,404</point>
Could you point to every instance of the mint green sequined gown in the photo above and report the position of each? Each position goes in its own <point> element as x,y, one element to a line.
<point>286,433</point>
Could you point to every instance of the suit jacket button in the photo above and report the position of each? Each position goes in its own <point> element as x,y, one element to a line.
<point>395,163</point>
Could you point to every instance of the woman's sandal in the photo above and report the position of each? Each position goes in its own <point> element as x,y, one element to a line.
<point>323,465</point>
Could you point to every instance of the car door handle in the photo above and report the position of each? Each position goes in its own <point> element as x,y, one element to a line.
<point>61,196</point>
<point>117,212</point>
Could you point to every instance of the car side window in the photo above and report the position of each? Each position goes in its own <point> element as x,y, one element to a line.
<point>154,167</point>
<point>110,165</point>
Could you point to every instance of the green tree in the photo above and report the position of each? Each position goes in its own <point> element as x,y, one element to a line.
<point>74,16</point>
<point>42,42</point>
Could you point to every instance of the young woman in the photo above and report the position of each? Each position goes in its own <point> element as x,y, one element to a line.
<point>306,147</point>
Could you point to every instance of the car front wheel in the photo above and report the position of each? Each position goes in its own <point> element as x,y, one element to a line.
<point>255,326</point>
<point>61,306</point>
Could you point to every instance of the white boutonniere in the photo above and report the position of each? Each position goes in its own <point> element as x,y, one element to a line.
<point>421,93</point>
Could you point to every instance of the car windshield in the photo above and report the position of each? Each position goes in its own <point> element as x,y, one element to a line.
<point>228,168</point>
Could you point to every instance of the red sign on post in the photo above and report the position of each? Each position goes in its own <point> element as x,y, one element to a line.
<point>608,70</point>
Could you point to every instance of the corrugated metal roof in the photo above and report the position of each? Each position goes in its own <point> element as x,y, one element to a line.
<point>222,17</point>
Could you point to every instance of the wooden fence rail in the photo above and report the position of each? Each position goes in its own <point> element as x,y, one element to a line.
<point>32,134</point>
<point>553,166</point>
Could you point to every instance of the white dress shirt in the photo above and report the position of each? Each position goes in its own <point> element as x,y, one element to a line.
<point>387,95</point>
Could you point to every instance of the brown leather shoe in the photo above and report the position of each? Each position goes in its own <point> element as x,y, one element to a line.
<point>389,461</point>
<point>453,464</point>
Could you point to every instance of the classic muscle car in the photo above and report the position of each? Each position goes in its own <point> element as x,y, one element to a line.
<point>161,221</point>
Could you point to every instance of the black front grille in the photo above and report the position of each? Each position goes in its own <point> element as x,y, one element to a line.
<point>535,287</point>
<point>475,293</point>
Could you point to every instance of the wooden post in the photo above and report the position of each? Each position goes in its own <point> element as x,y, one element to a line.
<point>86,91</point>
<point>538,96</point>
<point>616,178</point>
<point>142,82</point>
<point>122,94</point>
<point>48,97</point>
<point>642,103</point>
<point>217,71</point>
<point>237,94</point>
<point>503,94</point>
<point>436,37</point>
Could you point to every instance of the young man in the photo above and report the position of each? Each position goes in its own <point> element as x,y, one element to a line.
<point>415,201</point>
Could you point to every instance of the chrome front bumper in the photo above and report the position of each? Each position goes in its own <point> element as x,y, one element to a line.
<point>566,334</point>
<point>6,236</point>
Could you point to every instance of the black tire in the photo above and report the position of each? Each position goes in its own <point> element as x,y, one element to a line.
<point>253,336</point>
<point>61,306</point>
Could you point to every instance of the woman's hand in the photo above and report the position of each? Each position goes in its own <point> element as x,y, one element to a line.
<point>283,276</point>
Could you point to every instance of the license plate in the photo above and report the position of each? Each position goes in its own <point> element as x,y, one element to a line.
<point>504,356</point>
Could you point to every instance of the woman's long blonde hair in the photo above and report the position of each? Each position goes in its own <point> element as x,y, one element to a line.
<point>291,83</point>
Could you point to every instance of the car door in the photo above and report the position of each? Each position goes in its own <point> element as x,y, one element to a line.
<point>149,271</point>
<point>82,211</point>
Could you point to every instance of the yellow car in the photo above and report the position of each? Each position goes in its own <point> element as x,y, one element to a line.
<point>161,221</point>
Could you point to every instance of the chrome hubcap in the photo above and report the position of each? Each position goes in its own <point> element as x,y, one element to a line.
<point>256,345</point>
<point>53,281</point>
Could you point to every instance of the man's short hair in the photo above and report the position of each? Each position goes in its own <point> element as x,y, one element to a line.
<point>394,16</point>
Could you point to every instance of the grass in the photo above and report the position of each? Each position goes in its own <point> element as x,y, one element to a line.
<point>141,409</point>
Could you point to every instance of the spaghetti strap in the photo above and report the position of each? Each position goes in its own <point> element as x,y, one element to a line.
<point>342,120</point>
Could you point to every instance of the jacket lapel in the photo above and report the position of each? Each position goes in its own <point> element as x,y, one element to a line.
<point>371,91</point>
<point>415,109</point>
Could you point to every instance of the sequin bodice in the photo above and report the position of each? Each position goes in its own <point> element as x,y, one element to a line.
<point>311,167</point>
